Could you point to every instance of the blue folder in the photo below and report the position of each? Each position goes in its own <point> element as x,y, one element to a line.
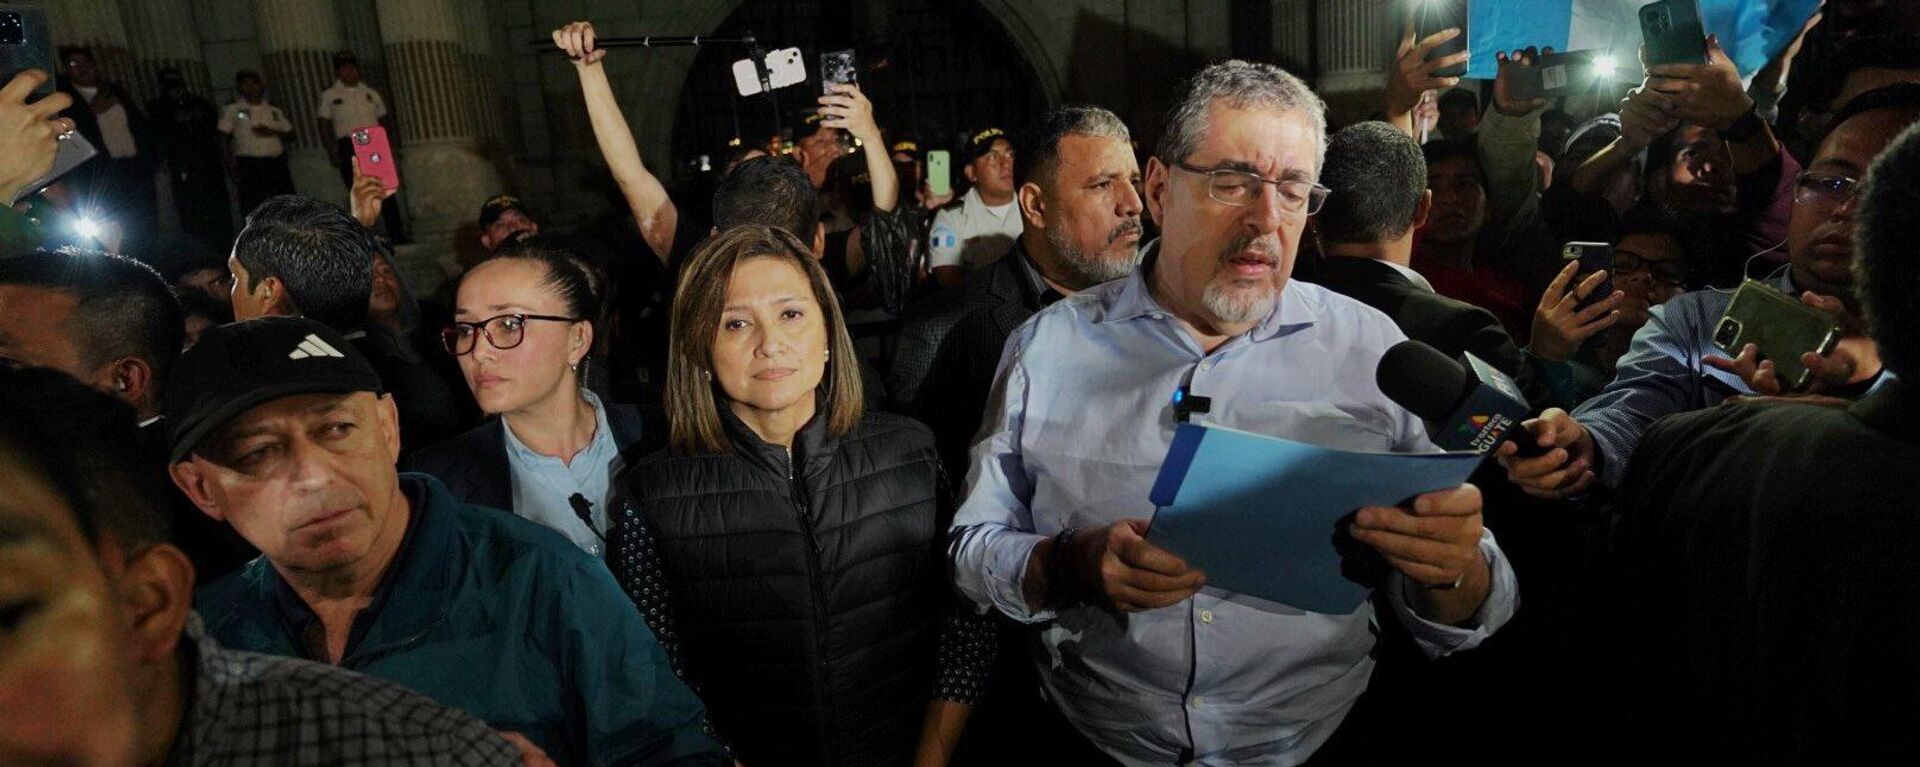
<point>1259,513</point>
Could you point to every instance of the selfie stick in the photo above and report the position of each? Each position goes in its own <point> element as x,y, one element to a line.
<point>754,53</point>
<point>654,41</point>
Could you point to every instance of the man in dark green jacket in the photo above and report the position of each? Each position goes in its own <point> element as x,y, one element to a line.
<point>280,430</point>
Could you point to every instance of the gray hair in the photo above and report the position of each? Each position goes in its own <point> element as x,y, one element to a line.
<point>1038,151</point>
<point>1240,85</point>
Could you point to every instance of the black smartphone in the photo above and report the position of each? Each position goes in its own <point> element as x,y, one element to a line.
<point>1434,16</point>
<point>25,43</point>
<point>1673,33</point>
<point>1593,257</point>
<point>837,68</point>
<point>1551,75</point>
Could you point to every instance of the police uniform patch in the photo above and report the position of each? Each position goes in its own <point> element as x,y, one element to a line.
<point>944,236</point>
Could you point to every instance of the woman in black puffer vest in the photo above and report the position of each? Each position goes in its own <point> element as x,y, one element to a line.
<point>787,549</point>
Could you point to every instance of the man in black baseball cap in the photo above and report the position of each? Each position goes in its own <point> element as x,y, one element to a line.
<point>503,218</point>
<point>280,429</point>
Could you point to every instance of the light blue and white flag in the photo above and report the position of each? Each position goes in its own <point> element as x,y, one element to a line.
<point>1751,31</point>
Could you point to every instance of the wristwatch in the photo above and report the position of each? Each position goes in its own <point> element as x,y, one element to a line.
<point>1745,128</point>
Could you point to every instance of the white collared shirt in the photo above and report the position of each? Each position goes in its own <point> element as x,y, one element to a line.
<point>1411,275</point>
<point>238,120</point>
<point>973,234</point>
<point>350,106</point>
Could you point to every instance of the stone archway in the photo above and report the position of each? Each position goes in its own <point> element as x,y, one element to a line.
<point>662,82</point>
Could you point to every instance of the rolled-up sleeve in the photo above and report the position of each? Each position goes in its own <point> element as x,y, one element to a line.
<point>1439,639</point>
<point>993,532</point>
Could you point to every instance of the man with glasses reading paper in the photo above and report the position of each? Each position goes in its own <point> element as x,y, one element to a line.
<point>1144,661</point>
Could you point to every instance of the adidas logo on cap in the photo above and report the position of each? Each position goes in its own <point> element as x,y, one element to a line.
<point>312,346</point>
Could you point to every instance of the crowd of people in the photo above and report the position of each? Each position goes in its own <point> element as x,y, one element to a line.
<point>834,469</point>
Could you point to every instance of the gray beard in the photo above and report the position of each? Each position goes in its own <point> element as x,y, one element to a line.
<point>1234,306</point>
<point>1086,270</point>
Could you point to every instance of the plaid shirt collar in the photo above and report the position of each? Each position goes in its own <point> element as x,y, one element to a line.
<point>243,709</point>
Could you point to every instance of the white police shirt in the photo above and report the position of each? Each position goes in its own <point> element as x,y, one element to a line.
<point>350,106</point>
<point>238,120</point>
<point>972,234</point>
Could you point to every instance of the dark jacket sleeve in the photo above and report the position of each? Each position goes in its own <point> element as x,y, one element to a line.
<point>634,709</point>
<point>887,238</point>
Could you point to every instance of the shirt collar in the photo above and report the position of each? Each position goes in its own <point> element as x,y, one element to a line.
<point>1295,310</point>
<point>1411,275</point>
<point>602,432</point>
<point>1037,284</point>
<point>417,584</point>
<point>975,202</point>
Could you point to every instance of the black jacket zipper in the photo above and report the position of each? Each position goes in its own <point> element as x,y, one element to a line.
<point>796,484</point>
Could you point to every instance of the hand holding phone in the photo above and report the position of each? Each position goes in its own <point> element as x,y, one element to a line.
<point>37,145</point>
<point>1578,304</point>
<point>1770,335</point>
<point>373,155</point>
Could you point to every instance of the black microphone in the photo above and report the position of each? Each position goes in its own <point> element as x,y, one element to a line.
<point>1470,406</point>
<point>583,508</point>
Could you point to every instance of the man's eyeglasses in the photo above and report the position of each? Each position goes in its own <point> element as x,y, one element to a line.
<point>1823,190</point>
<point>503,332</point>
<point>1667,272</point>
<point>1241,188</point>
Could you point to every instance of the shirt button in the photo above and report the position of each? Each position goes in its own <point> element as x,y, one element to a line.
<point>1206,616</point>
<point>594,549</point>
<point>1196,702</point>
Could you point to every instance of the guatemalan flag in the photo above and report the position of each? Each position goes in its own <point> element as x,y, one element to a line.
<point>1751,31</point>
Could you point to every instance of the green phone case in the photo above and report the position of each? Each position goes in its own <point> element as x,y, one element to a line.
<point>1779,325</point>
<point>939,172</point>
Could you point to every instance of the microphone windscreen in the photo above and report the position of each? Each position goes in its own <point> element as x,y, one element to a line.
<point>1422,379</point>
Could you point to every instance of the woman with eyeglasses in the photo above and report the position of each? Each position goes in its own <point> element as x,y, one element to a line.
<point>524,321</point>
<point>787,548</point>
<point>1580,332</point>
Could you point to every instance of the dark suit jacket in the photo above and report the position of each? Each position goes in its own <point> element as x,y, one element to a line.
<point>994,302</point>
<point>1768,597</point>
<point>1447,324</point>
<point>474,467</point>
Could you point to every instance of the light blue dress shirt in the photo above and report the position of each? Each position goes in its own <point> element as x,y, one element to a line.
<point>542,484</point>
<point>1078,423</point>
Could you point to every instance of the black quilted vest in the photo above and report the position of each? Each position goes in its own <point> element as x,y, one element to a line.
<point>807,591</point>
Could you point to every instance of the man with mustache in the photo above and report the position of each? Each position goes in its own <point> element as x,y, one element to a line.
<point>1144,663</point>
<point>1673,366</point>
<point>104,662</point>
<point>281,429</point>
<point>1077,188</point>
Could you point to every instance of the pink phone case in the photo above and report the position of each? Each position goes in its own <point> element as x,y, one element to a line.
<point>374,155</point>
